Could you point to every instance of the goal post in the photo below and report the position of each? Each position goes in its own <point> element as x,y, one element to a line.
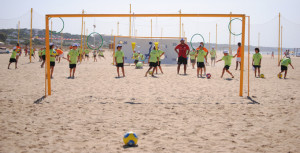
<point>47,16</point>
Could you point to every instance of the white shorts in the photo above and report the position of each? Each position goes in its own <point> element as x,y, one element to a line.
<point>18,54</point>
<point>238,59</point>
<point>61,55</point>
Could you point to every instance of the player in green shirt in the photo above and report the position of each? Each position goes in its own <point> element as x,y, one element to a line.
<point>13,58</point>
<point>201,54</point>
<point>142,56</point>
<point>285,62</point>
<point>86,54</point>
<point>72,58</point>
<point>43,57</point>
<point>213,56</point>
<point>160,53</point>
<point>193,58</point>
<point>119,60</point>
<point>40,55</point>
<point>153,61</point>
<point>53,55</point>
<point>227,59</point>
<point>135,57</point>
<point>256,62</point>
<point>100,54</point>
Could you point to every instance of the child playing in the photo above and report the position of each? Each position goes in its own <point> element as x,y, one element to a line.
<point>142,56</point>
<point>136,57</point>
<point>53,55</point>
<point>86,53</point>
<point>213,56</point>
<point>40,55</point>
<point>193,58</point>
<point>95,55</point>
<point>153,59</point>
<point>101,54</point>
<point>160,53</point>
<point>256,62</point>
<point>13,58</point>
<point>72,58</point>
<point>201,54</point>
<point>227,58</point>
<point>43,57</point>
<point>119,59</point>
<point>285,62</point>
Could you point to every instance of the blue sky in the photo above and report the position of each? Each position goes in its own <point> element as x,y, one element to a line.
<point>263,17</point>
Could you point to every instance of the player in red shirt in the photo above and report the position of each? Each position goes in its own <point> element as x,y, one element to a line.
<point>182,50</point>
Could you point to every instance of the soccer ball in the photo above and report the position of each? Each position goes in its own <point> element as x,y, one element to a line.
<point>139,65</point>
<point>130,139</point>
<point>208,75</point>
<point>262,75</point>
<point>150,72</point>
<point>279,76</point>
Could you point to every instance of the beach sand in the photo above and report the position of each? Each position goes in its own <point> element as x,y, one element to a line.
<point>169,113</point>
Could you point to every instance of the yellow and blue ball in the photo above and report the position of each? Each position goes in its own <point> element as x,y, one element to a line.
<point>130,139</point>
<point>262,76</point>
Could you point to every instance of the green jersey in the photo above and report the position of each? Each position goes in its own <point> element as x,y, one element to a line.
<point>136,56</point>
<point>86,51</point>
<point>286,62</point>
<point>119,55</point>
<point>44,52</point>
<point>153,56</point>
<point>257,57</point>
<point>40,52</point>
<point>201,55</point>
<point>213,53</point>
<point>100,53</point>
<point>160,52</point>
<point>13,54</point>
<point>227,59</point>
<point>53,54</point>
<point>73,56</point>
<point>142,56</point>
<point>193,55</point>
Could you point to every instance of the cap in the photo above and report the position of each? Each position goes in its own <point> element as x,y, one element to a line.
<point>15,48</point>
<point>138,51</point>
<point>119,45</point>
<point>213,47</point>
<point>226,51</point>
<point>181,39</point>
<point>75,45</point>
<point>51,44</point>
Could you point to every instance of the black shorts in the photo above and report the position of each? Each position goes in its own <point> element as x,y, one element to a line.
<point>95,55</point>
<point>200,64</point>
<point>182,60</point>
<point>226,67</point>
<point>52,63</point>
<point>86,55</point>
<point>152,64</point>
<point>71,66</point>
<point>212,58</point>
<point>256,66</point>
<point>193,61</point>
<point>43,57</point>
<point>136,61</point>
<point>283,68</point>
<point>158,63</point>
<point>12,60</point>
<point>120,64</point>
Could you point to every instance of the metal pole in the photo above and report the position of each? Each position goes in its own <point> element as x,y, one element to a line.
<point>180,24</point>
<point>216,37</point>
<point>182,30</point>
<point>51,31</point>
<point>118,28</point>
<point>281,44</point>
<point>230,36</point>
<point>81,38</point>
<point>151,27</point>
<point>47,56</point>
<point>18,32</point>
<point>30,46</point>
<point>208,42</point>
<point>242,57</point>
<point>130,22</point>
<point>248,56</point>
<point>279,40</point>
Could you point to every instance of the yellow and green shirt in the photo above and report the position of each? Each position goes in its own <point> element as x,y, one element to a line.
<point>119,56</point>
<point>286,62</point>
<point>213,53</point>
<point>136,56</point>
<point>227,59</point>
<point>73,56</point>
<point>257,57</point>
<point>193,55</point>
<point>53,54</point>
<point>153,56</point>
<point>201,55</point>
<point>86,51</point>
<point>142,56</point>
<point>13,54</point>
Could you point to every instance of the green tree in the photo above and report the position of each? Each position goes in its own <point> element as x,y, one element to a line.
<point>3,37</point>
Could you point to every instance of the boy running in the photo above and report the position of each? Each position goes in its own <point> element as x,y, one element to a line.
<point>227,58</point>
<point>285,62</point>
<point>119,58</point>
<point>256,62</point>
<point>13,58</point>
<point>153,61</point>
<point>72,58</point>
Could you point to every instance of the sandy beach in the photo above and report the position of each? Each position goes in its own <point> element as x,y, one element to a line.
<point>169,113</point>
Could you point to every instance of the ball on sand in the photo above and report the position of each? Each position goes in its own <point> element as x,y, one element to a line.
<point>262,75</point>
<point>150,72</point>
<point>139,65</point>
<point>130,139</point>
<point>279,75</point>
<point>208,75</point>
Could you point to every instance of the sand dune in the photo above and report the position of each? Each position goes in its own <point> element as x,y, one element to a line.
<point>170,113</point>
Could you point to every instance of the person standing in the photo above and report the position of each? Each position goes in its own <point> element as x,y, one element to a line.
<point>13,58</point>
<point>193,58</point>
<point>213,56</point>
<point>19,52</point>
<point>256,62</point>
<point>160,54</point>
<point>72,58</point>
<point>182,50</point>
<point>119,59</point>
<point>238,56</point>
